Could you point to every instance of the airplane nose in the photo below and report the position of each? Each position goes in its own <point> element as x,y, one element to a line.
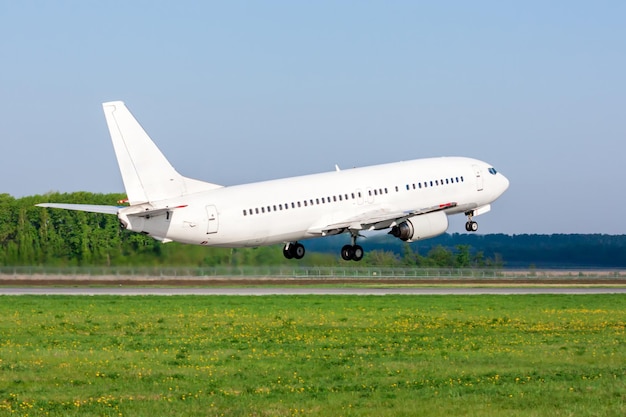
<point>504,183</point>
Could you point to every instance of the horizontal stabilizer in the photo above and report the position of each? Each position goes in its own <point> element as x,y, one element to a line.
<point>147,211</point>
<point>92,208</point>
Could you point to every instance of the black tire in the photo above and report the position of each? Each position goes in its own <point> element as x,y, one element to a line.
<point>287,252</point>
<point>357,253</point>
<point>474,226</point>
<point>347,253</point>
<point>298,251</point>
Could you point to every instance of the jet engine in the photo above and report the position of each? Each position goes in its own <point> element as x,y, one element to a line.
<point>421,227</point>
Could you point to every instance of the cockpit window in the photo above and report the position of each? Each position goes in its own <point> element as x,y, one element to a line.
<point>493,171</point>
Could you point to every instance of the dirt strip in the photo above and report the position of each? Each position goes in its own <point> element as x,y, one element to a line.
<point>212,281</point>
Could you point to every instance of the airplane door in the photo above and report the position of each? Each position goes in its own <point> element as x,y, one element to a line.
<point>213,220</point>
<point>479,177</point>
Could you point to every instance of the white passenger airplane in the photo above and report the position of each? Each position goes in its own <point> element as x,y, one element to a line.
<point>412,198</point>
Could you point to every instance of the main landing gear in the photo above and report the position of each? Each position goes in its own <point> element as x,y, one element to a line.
<point>293,250</point>
<point>470,226</point>
<point>352,252</point>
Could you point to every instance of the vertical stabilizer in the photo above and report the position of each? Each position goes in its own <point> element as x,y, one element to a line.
<point>147,174</point>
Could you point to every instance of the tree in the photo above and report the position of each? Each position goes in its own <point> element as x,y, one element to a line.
<point>440,257</point>
<point>462,257</point>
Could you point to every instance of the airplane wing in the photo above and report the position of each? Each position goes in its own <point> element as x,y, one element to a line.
<point>92,208</point>
<point>375,220</point>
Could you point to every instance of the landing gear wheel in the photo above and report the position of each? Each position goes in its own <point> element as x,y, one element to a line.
<point>298,251</point>
<point>294,250</point>
<point>471,226</point>
<point>347,252</point>
<point>352,253</point>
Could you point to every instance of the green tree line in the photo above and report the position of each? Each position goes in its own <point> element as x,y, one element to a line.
<point>31,235</point>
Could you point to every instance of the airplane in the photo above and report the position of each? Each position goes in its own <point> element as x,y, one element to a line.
<point>412,199</point>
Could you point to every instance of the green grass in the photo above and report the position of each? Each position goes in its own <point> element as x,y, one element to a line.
<point>313,356</point>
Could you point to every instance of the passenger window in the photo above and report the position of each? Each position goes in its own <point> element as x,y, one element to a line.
<point>244,213</point>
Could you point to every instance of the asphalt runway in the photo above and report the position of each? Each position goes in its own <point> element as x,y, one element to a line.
<point>270,291</point>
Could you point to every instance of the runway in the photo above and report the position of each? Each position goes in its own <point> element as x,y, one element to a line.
<point>277,291</point>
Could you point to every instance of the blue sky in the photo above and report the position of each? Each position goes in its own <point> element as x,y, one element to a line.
<point>237,92</point>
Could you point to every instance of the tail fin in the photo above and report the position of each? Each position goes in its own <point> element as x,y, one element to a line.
<point>147,174</point>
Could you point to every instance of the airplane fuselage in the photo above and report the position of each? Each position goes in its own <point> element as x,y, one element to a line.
<point>298,208</point>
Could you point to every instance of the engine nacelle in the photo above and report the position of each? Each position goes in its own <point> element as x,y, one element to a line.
<point>421,227</point>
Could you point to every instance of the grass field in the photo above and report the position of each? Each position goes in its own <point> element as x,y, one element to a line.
<point>313,356</point>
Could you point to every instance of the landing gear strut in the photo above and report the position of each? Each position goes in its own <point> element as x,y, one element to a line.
<point>352,252</point>
<point>470,226</point>
<point>293,250</point>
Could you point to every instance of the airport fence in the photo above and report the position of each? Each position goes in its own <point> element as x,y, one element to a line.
<point>284,272</point>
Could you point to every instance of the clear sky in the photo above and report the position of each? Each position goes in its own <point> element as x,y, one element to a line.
<point>236,92</point>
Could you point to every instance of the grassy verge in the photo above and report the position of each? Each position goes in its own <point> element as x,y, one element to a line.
<point>313,355</point>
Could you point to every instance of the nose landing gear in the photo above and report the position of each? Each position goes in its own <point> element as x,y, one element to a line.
<point>470,226</point>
